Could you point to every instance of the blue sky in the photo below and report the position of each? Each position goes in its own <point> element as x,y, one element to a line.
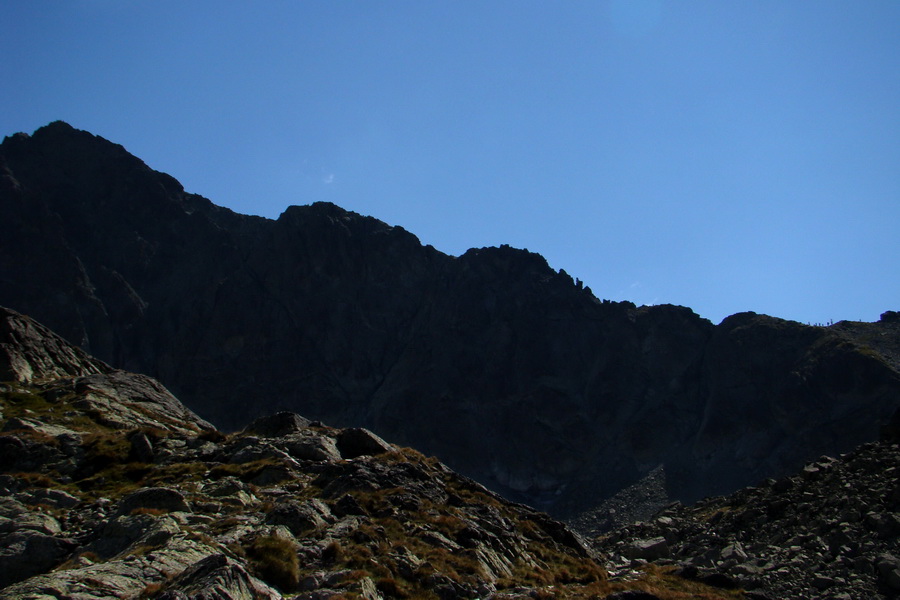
<point>721,155</point>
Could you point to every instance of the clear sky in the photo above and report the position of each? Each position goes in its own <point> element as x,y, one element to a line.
<point>722,155</point>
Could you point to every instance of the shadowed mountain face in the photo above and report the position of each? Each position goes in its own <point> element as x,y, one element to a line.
<point>504,368</point>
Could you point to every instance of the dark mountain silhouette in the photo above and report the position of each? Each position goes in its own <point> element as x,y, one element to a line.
<point>509,371</point>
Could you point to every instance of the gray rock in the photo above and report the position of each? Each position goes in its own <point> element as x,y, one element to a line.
<point>121,578</point>
<point>24,454</point>
<point>159,533</point>
<point>649,549</point>
<point>823,582</point>
<point>356,441</point>
<point>301,518</point>
<point>141,447</point>
<point>889,570</point>
<point>217,577</point>
<point>124,400</point>
<point>159,498</point>
<point>115,535</point>
<point>226,486</point>
<point>37,521</point>
<point>310,446</point>
<point>51,497</point>
<point>885,525</point>
<point>26,553</point>
<point>256,451</point>
<point>368,589</point>
<point>734,552</point>
<point>19,423</point>
<point>278,425</point>
<point>30,351</point>
<point>274,474</point>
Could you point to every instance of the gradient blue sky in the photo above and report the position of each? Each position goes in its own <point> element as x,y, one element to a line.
<point>721,155</point>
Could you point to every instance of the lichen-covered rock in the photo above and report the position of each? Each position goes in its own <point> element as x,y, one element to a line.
<point>217,577</point>
<point>301,518</point>
<point>49,497</point>
<point>25,553</point>
<point>122,578</point>
<point>114,535</point>
<point>29,352</point>
<point>129,400</point>
<point>310,446</point>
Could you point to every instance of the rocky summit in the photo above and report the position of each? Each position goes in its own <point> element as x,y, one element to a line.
<point>111,489</point>
<point>509,371</point>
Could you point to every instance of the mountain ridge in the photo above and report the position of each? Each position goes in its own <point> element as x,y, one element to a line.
<point>489,355</point>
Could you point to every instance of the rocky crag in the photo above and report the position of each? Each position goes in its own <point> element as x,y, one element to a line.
<point>111,489</point>
<point>511,372</point>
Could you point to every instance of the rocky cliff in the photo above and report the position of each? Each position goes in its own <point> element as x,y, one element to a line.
<point>509,371</point>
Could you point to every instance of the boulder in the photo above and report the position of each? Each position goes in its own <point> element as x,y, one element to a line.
<point>113,536</point>
<point>37,521</point>
<point>256,449</point>
<point>310,446</point>
<point>217,577</point>
<point>158,498</point>
<point>301,518</point>
<point>141,447</point>
<point>123,400</point>
<point>356,441</point>
<point>649,549</point>
<point>50,497</point>
<point>227,486</point>
<point>26,553</point>
<point>888,567</point>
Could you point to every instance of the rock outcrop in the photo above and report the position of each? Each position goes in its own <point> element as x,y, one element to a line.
<point>31,354</point>
<point>510,371</point>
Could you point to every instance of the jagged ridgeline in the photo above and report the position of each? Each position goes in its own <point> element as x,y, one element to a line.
<point>506,369</point>
<point>111,488</point>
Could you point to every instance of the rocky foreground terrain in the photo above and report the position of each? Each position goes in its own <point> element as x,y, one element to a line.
<point>831,531</point>
<point>112,489</point>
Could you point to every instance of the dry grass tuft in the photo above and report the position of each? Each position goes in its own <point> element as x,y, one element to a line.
<point>274,560</point>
